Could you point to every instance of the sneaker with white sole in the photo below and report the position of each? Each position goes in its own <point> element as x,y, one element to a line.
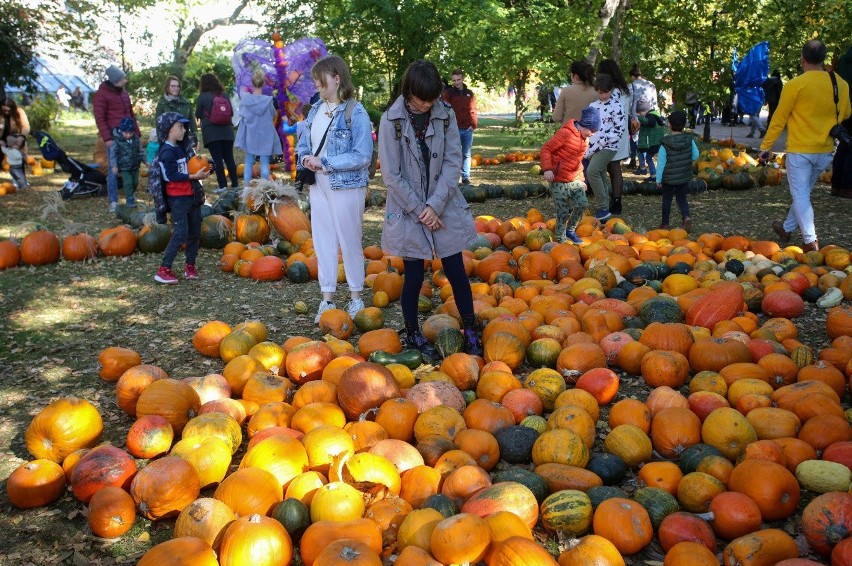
<point>603,214</point>
<point>189,272</point>
<point>112,206</point>
<point>323,306</point>
<point>165,276</point>
<point>354,307</point>
<point>572,237</point>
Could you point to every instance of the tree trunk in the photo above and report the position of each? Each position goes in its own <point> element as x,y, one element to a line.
<point>606,14</point>
<point>617,28</point>
<point>520,84</point>
<point>185,47</point>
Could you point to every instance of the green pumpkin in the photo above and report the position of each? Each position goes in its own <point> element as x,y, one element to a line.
<point>216,232</point>
<point>440,503</point>
<point>535,422</point>
<point>515,192</point>
<point>609,467</point>
<point>696,186</point>
<point>659,503</point>
<point>660,309</point>
<point>516,443</point>
<point>568,510</point>
<point>474,194</point>
<point>293,515</point>
<point>155,239</point>
<point>449,341</point>
<point>480,241</point>
<point>493,191</point>
<point>600,493</point>
<point>738,181</point>
<point>298,272</point>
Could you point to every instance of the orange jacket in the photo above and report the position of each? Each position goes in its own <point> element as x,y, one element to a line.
<point>563,153</point>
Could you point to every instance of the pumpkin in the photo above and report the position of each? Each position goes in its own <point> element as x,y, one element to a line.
<point>41,247</point>
<point>365,386</point>
<point>119,241</point>
<point>35,483</point>
<point>151,239</point>
<point>518,551</point>
<point>839,321</point>
<point>665,367</point>
<point>112,512</point>
<point>149,437</point>
<point>62,427</point>
<point>306,361</point>
<point>114,361</point>
<point>180,552</point>
<point>734,515</point>
<point>78,247</point>
<point>776,495</point>
<point>591,550</point>
<point>729,431</point>
<point>215,231</point>
<point>267,455</point>
<point>251,228</point>
<point>723,301</point>
<point>322,533</point>
<point>625,523</point>
<point>205,518</point>
<point>681,527</point>
<point>783,304</point>
<point>673,430</point>
<point>713,354</point>
<point>348,551</point>
<point>268,268</point>
<point>827,520</point>
<point>102,466</point>
<point>209,336</point>
<point>287,218</point>
<point>10,254</point>
<point>567,510</point>
<point>389,282</point>
<point>504,496</point>
<point>768,546</point>
<point>462,538</point>
<point>250,490</point>
<point>164,487</point>
<point>629,443</point>
<point>255,539</point>
<point>169,398</point>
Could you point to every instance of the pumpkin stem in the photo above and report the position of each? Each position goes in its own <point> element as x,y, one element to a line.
<point>369,412</point>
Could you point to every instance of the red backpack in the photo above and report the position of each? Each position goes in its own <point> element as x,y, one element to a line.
<point>221,111</point>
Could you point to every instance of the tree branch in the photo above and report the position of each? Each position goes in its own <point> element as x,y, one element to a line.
<point>188,45</point>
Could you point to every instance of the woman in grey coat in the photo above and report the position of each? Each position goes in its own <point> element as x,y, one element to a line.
<point>426,215</point>
<point>256,134</point>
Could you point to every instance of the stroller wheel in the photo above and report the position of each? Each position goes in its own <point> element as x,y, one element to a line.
<point>66,195</point>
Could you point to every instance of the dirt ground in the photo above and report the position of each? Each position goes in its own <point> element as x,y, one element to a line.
<point>57,318</point>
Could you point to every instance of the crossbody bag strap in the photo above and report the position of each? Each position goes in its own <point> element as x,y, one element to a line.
<point>836,96</point>
<point>322,141</point>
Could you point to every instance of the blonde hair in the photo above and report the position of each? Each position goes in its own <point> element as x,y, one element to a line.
<point>258,77</point>
<point>336,67</point>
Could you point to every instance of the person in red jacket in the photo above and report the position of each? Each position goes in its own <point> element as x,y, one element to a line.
<point>110,104</point>
<point>562,163</point>
<point>463,102</point>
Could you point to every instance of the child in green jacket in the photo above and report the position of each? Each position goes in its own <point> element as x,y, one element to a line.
<point>651,132</point>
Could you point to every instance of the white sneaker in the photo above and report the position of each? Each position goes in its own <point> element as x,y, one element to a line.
<point>112,206</point>
<point>354,306</point>
<point>323,306</point>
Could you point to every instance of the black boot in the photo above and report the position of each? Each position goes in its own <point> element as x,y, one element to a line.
<point>415,339</point>
<point>472,343</point>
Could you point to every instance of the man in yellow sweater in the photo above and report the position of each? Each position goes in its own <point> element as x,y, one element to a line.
<point>808,111</point>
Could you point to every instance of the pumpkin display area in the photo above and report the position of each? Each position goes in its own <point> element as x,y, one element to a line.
<point>56,358</point>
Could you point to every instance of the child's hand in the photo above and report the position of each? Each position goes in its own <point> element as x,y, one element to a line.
<point>548,176</point>
<point>202,174</point>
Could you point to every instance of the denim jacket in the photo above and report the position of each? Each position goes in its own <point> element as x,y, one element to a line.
<point>348,152</point>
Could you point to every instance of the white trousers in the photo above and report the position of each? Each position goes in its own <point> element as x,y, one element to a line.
<point>336,224</point>
<point>803,170</point>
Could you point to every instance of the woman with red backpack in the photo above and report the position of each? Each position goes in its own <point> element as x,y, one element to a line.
<point>213,108</point>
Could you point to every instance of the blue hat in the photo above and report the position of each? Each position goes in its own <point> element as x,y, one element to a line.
<point>591,119</point>
<point>127,125</point>
<point>165,122</point>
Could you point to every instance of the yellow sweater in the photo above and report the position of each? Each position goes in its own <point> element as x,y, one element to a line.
<point>807,110</point>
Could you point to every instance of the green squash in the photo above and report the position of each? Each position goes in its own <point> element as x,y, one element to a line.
<point>411,358</point>
<point>600,493</point>
<point>609,467</point>
<point>293,515</point>
<point>515,192</point>
<point>516,443</point>
<point>660,309</point>
<point>298,272</point>
<point>154,239</point>
<point>657,502</point>
<point>493,191</point>
<point>216,232</point>
<point>569,511</point>
<point>474,194</point>
<point>441,503</point>
<point>449,341</point>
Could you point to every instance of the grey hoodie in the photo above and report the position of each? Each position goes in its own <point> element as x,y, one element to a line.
<point>256,133</point>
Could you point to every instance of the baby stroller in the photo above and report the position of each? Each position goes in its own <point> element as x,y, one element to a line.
<point>84,180</point>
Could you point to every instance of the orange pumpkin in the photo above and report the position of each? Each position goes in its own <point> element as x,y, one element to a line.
<point>35,483</point>
<point>625,523</point>
<point>111,512</point>
<point>164,487</point>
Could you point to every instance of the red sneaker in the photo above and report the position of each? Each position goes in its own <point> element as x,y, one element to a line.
<point>190,272</point>
<point>165,276</point>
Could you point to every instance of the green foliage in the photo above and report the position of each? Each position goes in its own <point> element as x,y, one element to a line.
<point>146,85</point>
<point>18,37</point>
<point>42,112</point>
<point>533,134</point>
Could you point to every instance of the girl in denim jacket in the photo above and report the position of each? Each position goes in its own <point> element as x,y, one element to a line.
<point>341,166</point>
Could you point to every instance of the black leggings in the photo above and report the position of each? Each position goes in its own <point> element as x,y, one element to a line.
<point>453,267</point>
<point>615,178</point>
<point>223,150</point>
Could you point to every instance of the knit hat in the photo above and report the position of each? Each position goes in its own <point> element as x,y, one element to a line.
<point>127,125</point>
<point>114,74</point>
<point>591,119</point>
<point>643,105</point>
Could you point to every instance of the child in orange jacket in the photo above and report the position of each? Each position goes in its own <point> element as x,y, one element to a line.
<point>562,164</point>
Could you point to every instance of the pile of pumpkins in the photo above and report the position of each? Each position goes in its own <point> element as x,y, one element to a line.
<point>517,156</point>
<point>736,170</point>
<point>38,166</point>
<point>352,451</point>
